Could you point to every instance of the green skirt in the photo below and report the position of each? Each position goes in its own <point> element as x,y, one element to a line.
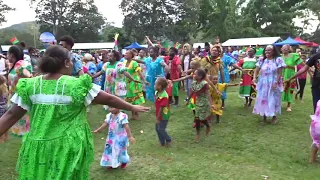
<point>68,157</point>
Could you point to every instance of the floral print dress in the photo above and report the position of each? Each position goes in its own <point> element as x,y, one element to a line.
<point>115,151</point>
<point>268,102</point>
<point>115,81</point>
<point>202,106</point>
<point>134,89</point>
<point>23,125</point>
<point>59,144</point>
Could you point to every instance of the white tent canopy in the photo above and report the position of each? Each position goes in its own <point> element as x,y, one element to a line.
<point>107,45</point>
<point>196,45</point>
<point>5,48</point>
<point>251,41</point>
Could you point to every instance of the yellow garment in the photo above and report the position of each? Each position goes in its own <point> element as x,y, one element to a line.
<point>213,67</point>
<point>216,98</point>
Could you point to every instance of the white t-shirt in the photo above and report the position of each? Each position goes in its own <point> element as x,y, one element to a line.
<point>186,62</point>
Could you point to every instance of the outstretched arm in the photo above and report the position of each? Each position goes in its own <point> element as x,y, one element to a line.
<point>182,78</point>
<point>10,118</point>
<point>104,98</point>
<point>104,125</point>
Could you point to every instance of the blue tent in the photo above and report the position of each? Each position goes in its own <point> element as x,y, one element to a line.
<point>134,45</point>
<point>289,41</point>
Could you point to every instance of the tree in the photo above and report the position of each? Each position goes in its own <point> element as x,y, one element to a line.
<point>78,18</point>
<point>3,10</point>
<point>159,19</point>
<point>51,13</point>
<point>84,22</point>
<point>109,33</point>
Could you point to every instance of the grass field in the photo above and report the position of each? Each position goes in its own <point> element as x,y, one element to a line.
<point>241,147</point>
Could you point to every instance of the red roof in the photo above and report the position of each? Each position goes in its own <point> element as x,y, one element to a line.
<point>302,41</point>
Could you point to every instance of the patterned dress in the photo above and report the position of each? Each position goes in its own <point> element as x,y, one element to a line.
<point>202,107</point>
<point>216,98</point>
<point>154,69</point>
<point>246,88</point>
<point>291,61</point>
<point>115,151</point>
<point>268,101</point>
<point>134,89</point>
<point>143,70</point>
<point>227,62</point>
<point>213,66</point>
<point>115,81</point>
<point>23,125</point>
<point>59,144</point>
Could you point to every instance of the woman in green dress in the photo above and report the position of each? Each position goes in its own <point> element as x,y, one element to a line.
<point>291,60</point>
<point>134,88</point>
<point>59,144</point>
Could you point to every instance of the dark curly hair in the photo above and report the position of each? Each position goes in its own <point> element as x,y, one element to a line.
<point>17,53</point>
<point>54,59</point>
<point>68,39</point>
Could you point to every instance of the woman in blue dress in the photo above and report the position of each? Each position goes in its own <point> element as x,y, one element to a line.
<point>154,68</point>
<point>227,61</point>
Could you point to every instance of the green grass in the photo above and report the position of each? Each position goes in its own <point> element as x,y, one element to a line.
<point>241,147</point>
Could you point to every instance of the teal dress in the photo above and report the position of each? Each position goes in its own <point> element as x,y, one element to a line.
<point>59,144</point>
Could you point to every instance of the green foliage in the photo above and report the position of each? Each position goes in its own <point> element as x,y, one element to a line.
<point>109,33</point>
<point>159,19</point>
<point>3,10</point>
<point>78,18</point>
<point>25,32</point>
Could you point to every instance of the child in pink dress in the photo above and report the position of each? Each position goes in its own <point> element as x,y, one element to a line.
<point>315,133</point>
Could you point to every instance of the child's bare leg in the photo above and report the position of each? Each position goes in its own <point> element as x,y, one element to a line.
<point>313,155</point>
<point>208,129</point>
<point>198,122</point>
<point>218,119</point>
<point>6,135</point>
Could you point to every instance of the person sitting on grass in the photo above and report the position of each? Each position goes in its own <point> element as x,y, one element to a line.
<point>59,144</point>
<point>115,152</point>
<point>162,111</point>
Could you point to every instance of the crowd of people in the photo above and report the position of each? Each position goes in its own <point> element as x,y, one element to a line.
<point>50,97</point>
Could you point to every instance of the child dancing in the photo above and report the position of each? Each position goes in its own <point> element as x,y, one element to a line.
<point>203,103</point>
<point>216,97</point>
<point>162,111</point>
<point>115,153</point>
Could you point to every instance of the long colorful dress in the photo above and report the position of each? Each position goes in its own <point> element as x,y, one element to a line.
<point>143,70</point>
<point>268,101</point>
<point>246,88</point>
<point>115,152</point>
<point>292,60</point>
<point>59,144</point>
<point>216,98</point>
<point>23,125</point>
<point>227,62</point>
<point>115,81</point>
<point>154,69</point>
<point>315,127</point>
<point>202,107</point>
<point>134,89</point>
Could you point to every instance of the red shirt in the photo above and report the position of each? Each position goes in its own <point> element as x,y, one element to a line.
<point>173,65</point>
<point>162,101</point>
<point>304,75</point>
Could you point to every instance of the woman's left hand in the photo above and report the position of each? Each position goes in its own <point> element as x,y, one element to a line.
<point>137,108</point>
<point>132,140</point>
